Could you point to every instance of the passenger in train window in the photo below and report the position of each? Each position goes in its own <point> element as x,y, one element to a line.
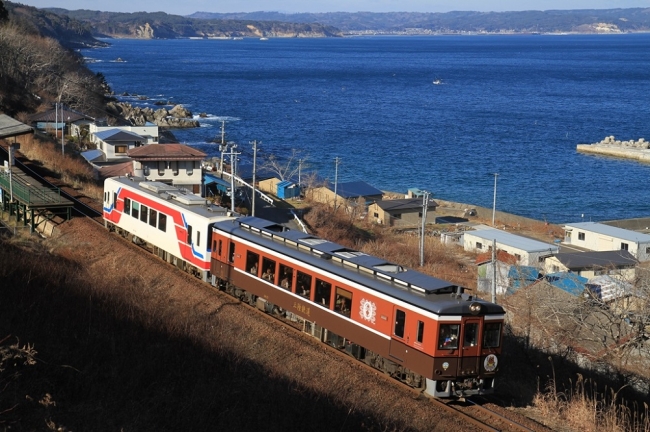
<point>448,336</point>
<point>254,269</point>
<point>268,275</point>
<point>284,283</point>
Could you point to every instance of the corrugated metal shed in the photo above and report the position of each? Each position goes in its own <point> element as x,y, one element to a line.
<point>10,127</point>
<point>287,190</point>
<point>588,260</point>
<point>519,242</point>
<point>611,231</point>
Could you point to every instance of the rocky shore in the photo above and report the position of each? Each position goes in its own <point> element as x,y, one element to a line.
<point>610,146</point>
<point>176,117</point>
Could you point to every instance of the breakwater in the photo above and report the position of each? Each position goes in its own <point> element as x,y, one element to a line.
<point>610,146</point>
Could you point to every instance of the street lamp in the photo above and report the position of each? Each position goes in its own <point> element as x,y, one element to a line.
<point>494,202</point>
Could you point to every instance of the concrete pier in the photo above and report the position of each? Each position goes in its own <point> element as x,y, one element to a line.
<point>638,150</point>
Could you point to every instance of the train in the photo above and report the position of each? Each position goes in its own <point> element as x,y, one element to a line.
<point>426,332</point>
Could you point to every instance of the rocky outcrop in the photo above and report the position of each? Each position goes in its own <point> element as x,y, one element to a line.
<point>641,143</point>
<point>177,117</point>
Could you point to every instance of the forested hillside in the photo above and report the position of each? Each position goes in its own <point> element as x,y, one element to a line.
<point>165,26</point>
<point>37,66</point>
<point>551,21</point>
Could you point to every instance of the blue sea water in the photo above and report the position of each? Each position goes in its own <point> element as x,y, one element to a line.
<point>512,105</point>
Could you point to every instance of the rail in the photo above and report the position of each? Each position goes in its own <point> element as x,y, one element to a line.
<point>30,194</point>
<point>261,194</point>
<point>300,223</point>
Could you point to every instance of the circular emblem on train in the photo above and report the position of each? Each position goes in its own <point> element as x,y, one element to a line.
<point>368,310</point>
<point>445,366</point>
<point>490,363</point>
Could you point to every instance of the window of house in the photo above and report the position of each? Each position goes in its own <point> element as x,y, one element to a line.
<point>303,284</point>
<point>127,206</point>
<point>162,222</point>
<point>190,167</point>
<point>624,246</point>
<point>376,215</point>
<point>146,171</point>
<point>323,292</point>
<point>397,215</point>
<point>161,168</point>
<point>491,335</point>
<point>448,336</point>
<point>420,333</point>
<point>343,301</point>
<point>121,149</point>
<point>153,216</point>
<point>581,236</point>
<point>479,245</point>
<point>400,320</point>
<point>647,250</point>
<point>174,167</point>
<point>144,212</point>
<point>518,257</point>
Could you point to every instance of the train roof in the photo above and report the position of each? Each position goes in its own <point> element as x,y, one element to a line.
<point>174,196</point>
<point>427,292</point>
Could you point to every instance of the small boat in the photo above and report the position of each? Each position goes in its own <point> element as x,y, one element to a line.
<point>264,38</point>
<point>238,38</point>
<point>437,81</point>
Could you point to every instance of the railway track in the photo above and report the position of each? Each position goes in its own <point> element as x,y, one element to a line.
<point>470,412</point>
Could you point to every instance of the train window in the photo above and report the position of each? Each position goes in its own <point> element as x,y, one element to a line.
<point>323,292</point>
<point>420,334</point>
<point>252,262</point>
<point>189,234</point>
<point>144,212</point>
<point>127,206</point>
<point>231,254</point>
<point>492,335</point>
<point>115,198</point>
<point>286,277</point>
<point>135,210</point>
<point>268,267</point>
<point>448,338</point>
<point>219,248</point>
<point>198,238</point>
<point>471,335</point>
<point>400,320</point>
<point>343,302</point>
<point>162,222</point>
<point>153,216</point>
<point>303,282</point>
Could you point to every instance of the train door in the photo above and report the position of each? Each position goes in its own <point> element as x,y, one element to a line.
<point>470,348</point>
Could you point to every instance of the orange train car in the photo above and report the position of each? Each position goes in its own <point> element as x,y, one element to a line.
<point>422,330</point>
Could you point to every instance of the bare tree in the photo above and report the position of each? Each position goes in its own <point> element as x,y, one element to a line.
<point>287,168</point>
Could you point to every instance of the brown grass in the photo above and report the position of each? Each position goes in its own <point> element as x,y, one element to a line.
<point>71,167</point>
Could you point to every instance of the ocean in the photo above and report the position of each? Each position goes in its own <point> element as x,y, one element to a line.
<point>440,113</point>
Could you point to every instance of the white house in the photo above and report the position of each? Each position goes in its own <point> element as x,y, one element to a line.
<point>527,251</point>
<point>149,132</point>
<point>175,164</point>
<point>600,237</point>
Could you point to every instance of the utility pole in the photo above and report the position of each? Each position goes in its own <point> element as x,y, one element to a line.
<point>494,202</point>
<point>337,161</point>
<point>299,169</point>
<point>56,121</point>
<point>425,206</point>
<point>494,271</point>
<point>254,170</point>
<point>233,160</point>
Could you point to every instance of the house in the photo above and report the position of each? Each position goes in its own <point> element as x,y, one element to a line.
<point>149,133</point>
<point>600,237</point>
<point>590,264</point>
<point>529,252</point>
<point>175,164</point>
<point>64,119</point>
<point>346,193</point>
<point>401,212</point>
<point>486,271</point>
<point>115,144</point>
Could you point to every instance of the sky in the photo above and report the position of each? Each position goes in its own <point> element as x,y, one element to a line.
<point>188,7</point>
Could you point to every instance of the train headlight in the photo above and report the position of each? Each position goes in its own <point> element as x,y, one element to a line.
<point>475,308</point>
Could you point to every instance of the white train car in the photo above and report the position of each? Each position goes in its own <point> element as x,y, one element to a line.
<point>173,224</point>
